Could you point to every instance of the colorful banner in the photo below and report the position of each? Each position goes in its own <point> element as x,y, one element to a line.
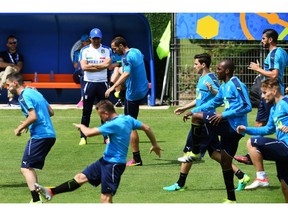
<point>230,26</point>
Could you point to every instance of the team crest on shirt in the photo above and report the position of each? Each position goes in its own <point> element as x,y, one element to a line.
<point>102,51</point>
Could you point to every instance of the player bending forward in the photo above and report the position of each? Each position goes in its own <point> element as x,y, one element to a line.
<point>108,170</point>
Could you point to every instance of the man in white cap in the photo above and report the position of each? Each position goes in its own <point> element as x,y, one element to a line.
<point>94,59</point>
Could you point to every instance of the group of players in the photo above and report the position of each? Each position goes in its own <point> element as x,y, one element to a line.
<point>231,124</point>
<point>120,130</point>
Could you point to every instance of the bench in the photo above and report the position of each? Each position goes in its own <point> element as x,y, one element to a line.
<point>61,81</point>
<point>62,90</point>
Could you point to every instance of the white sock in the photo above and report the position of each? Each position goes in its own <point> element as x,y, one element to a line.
<point>261,175</point>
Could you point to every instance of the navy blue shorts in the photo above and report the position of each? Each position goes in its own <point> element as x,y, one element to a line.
<point>273,150</point>
<point>229,138</point>
<point>263,111</point>
<point>36,151</point>
<point>93,93</point>
<point>105,173</point>
<point>207,143</point>
<point>132,107</point>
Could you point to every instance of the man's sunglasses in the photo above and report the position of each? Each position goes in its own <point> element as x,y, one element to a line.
<point>12,42</point>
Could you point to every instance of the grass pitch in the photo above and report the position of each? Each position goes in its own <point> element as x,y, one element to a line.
<point>138,185</point>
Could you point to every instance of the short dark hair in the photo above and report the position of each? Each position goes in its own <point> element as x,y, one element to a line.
<point>118,35</point>
<point>11,36</point>
<point>271,33</point>
<point>119,40</point>
<point>229,64</point>
<point>15,76</point>
<point>204,58</point>
<point>105,106</point>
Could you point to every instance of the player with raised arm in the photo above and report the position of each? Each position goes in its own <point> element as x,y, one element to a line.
<point>266,148</point>
<point>108,170</point>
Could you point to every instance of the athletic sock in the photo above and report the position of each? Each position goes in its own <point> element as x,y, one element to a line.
<point>189,141</point>
<point>182,179</point>
<point>228,179</point>
<point>196,136</point>
<point>261,175</point>
<point>70,185</point>
<point>137,157</point>
<point>239,174</point>
<point>35,196</point>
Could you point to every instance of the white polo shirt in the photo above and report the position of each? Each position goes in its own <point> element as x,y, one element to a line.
<point>95,56</point>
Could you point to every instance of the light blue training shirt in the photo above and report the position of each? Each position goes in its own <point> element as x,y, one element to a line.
<point>42,127</point>
<point>118,131</point>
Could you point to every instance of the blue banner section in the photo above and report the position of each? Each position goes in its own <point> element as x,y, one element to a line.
<point>230,26</point>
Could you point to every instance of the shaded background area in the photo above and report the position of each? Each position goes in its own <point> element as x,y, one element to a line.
<point>46,41</point>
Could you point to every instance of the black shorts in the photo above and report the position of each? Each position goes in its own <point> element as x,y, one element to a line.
<point>229,138</point>
<point>208,143</point>
<point>273,150</point>
<point>263,111</point>
<point>132,107</point>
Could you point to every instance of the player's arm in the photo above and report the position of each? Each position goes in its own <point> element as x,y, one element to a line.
<point>32,117</point>
<point>180,110</point>
<point>113,65</point>
<point>103,65</point>
<point>241,129</point>
<point>88,132</point>
<point>87,67</point>
<point>155,147</point>
<point>18,66</point>
<point>212,88</point>
<point>124,76</point>
<point>284,129</point>
<point>50,110</point>
<point>273,73</point>
<point>95,67</point>
<point>5,64</point>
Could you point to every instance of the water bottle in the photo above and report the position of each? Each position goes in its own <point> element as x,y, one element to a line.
<point>51,76</point>
<point>148,100</point>
<point>35,77</point>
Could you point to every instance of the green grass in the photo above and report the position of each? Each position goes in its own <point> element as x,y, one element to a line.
<point>139,184</point>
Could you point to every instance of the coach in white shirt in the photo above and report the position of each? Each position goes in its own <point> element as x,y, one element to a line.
<point>94,59</point>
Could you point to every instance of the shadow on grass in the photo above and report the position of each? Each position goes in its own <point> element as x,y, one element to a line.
<point>169,162</point>
<point>237,192</point>
<point>158,141</point>
<point>223,189</point>
<point>16,185</point>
